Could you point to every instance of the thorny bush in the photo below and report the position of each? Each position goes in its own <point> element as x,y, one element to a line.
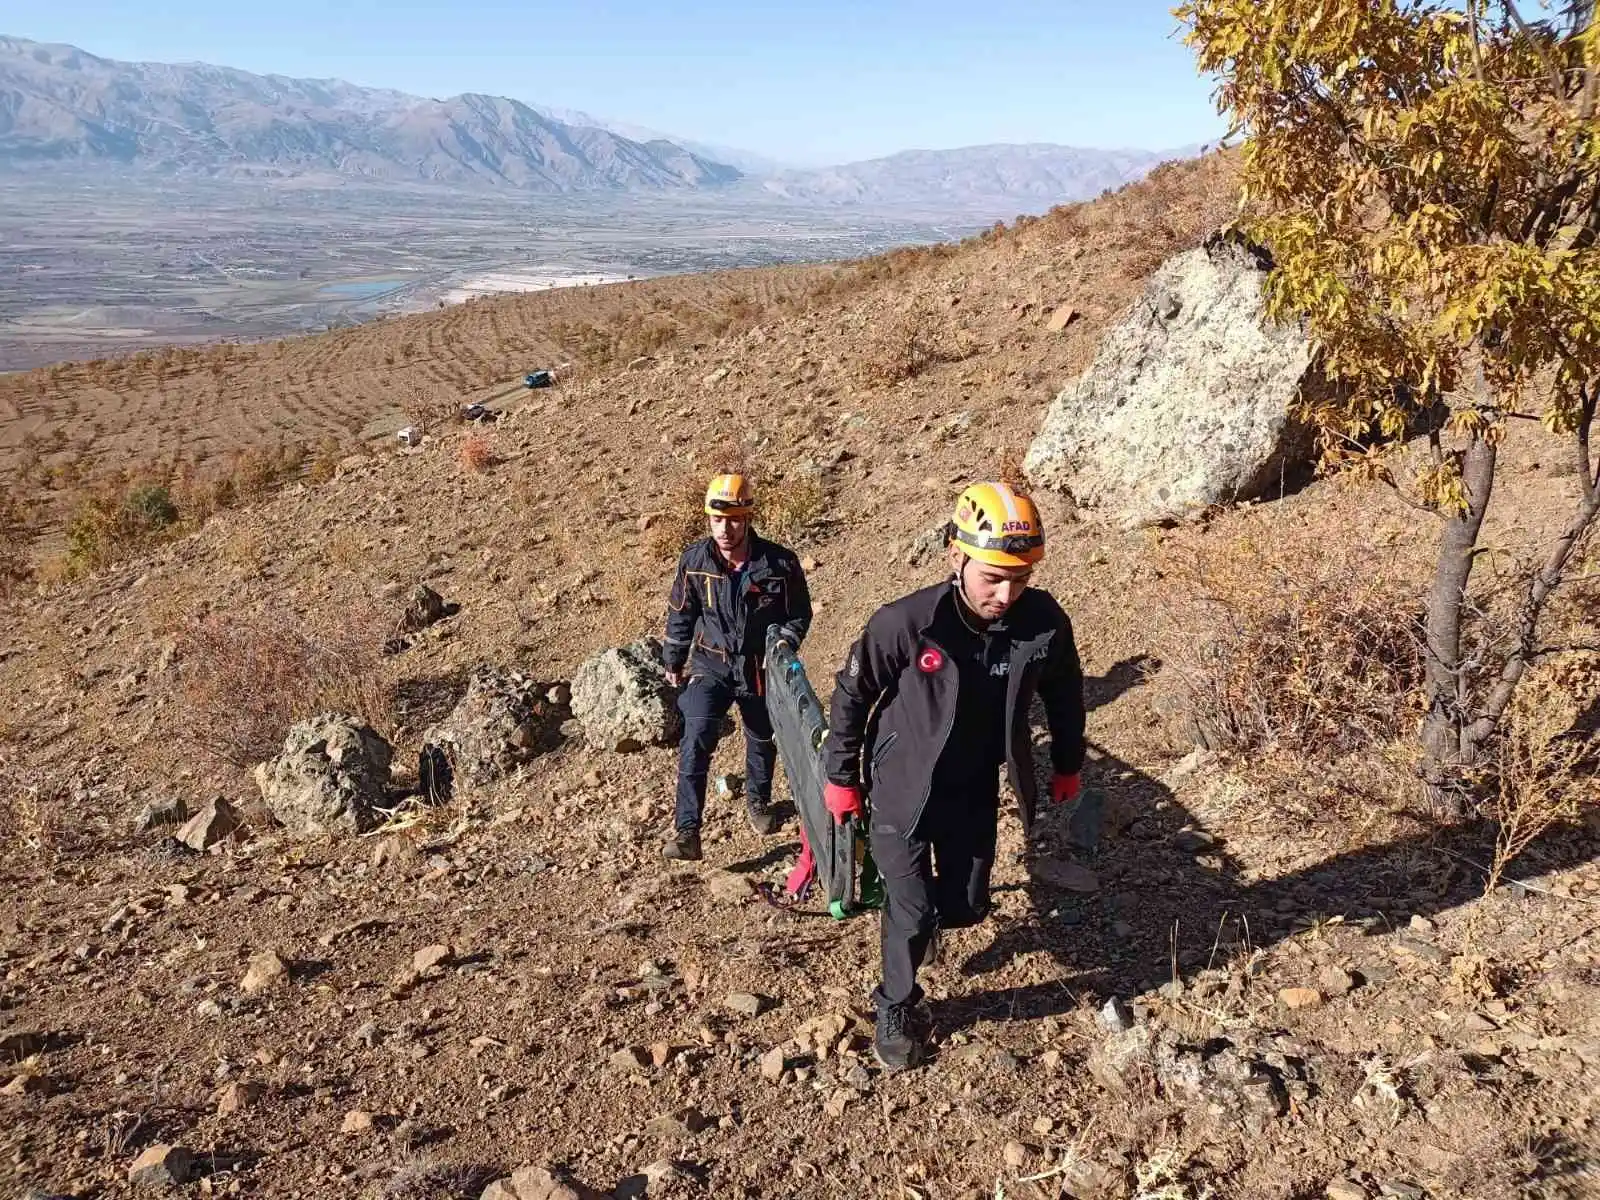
<point>1298,647</point>
<point>244,680</point>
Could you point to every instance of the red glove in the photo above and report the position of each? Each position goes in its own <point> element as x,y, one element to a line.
<point>1064,788</point>
<point>843,801</point>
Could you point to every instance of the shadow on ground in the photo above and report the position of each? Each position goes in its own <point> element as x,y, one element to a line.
<point>1168,903</point>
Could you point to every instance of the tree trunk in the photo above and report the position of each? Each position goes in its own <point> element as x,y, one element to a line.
<point>1446,749</point>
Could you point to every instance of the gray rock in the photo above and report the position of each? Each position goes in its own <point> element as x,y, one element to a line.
<point>424,607</point>
<point>746,1004</point>
<point>161,1166</point>
<point>1115,1016</point>
<point>926,547</point>
<point>538,1183</point>
<point>502,722</point>
<point>161,814</point>
<point>1186,405</point>
<point>216,822</point>
<point>621,699</point>
<point>330,777</point>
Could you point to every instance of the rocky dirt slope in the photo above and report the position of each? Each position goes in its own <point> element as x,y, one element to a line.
<point>1314,998</point>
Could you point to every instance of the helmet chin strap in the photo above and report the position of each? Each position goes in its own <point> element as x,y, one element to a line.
<point>961,585</point>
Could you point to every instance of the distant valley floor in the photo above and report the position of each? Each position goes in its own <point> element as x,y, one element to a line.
<point>96,266</point>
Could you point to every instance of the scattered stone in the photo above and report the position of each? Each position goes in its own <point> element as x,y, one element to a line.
<point>30,1081</point>
<point>1015,1154</point>
<point>330,778</point>
<point>928,546</point>
<point>161,814</point>
<point>266,970</point>
<point>357,1120</point>
<point>662,1172</point>
<point>216,822</point>
<point>423,608</point>
<point>1043,1125</point>
<point>630,1061</point>
<point>1193,841</point>
<point>537,1183</point>
<point>621,699</point>
<point>1178,413</point>
<point>746,1004</point>
<point>773,1064</point>
<point>1068,876</point>
<point>1406,944</point>
<point>660,1054</point>
<point>1421,924</point>
<point>1063,316</point>
<point>1336,981</point>
<point>1345,1189</point>
<point>431,958</point>
<point>1115,1016</point>
<point>838,1100</point>
<point>161,1166</point>
<point>504,721</point>
<point>237,1097</point>
<point>17,1044</point>
<point>1300,997</point>
<point>677,1125</point>
<point>728,887</point>
<point>1400,1190</point>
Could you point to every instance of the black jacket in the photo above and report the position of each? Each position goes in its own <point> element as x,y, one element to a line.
<point>721,634</point>
<point>897,696</point>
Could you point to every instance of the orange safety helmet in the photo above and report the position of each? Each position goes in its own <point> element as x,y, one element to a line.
<point>730,496</point>
<point>996,525</point>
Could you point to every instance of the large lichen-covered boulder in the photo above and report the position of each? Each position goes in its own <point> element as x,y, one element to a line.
<point>330,778</point>
<point>503,721</point>
<point>622,701</point>
<point>1186,404</point>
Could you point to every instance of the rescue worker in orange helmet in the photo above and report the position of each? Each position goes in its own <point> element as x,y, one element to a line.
<point>931,701</point>
<point>730,588</point>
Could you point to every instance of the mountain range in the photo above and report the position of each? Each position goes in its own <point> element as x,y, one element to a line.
<point>63,105</point>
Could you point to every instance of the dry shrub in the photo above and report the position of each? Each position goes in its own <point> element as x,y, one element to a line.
<point>325,462</point>
<point>907,345</point>
<point>1302,646</point>
<point>680,521</point>
<point>477,453</point>
<point>1548,753</point>
<point>16,540</point>
<point>244,680</point>
<point>791,506</point>
<point>116,518</point>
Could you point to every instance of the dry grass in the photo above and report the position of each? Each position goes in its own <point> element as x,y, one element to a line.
<point>477,453</point>
<point>244,681</point>
<point>1548,753</point>
<point>16,541</point>
<point>1299,646</point>
<point>30,817</point>
<point>909,343</point>
<point>792,506</point>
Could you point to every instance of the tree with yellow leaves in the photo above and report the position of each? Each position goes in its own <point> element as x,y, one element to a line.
<point>1427,177</point>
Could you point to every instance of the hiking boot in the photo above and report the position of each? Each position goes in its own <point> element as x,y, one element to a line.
<point>762,819</point>
<point>684,846</point>
<point>895,1041</point>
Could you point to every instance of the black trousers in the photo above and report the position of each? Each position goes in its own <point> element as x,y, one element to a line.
<point>704,702</point>
<point>938,878</point>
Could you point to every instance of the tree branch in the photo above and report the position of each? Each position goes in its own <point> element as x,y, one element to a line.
<point>1551,69</point>
<point>1544,581</point>
<point>1586,476</point>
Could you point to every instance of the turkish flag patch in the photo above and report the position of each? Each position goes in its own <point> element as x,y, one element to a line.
<point>929,661</point>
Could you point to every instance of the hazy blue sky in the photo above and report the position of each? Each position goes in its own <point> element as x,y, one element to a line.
<point>828,81</point>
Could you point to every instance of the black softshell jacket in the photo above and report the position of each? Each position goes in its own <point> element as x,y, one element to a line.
<point>896,699</point>
<point>725,635</point>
